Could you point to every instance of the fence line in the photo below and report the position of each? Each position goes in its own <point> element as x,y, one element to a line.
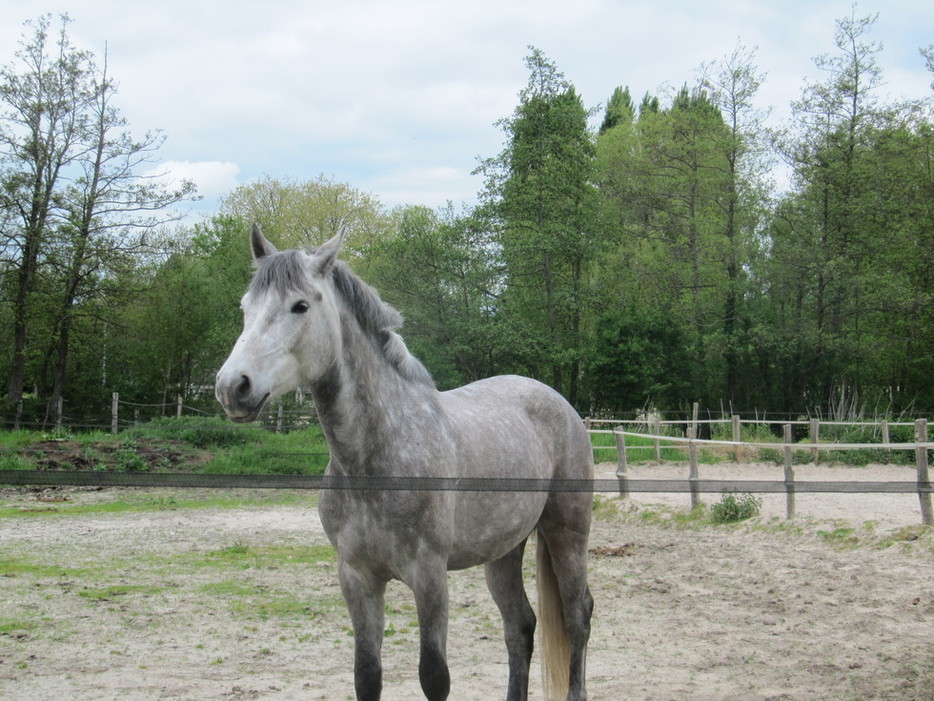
<point>793,422</point>
<point>920,446</point>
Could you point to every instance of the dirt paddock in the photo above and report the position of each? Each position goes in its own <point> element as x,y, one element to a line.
<point>241,602</point>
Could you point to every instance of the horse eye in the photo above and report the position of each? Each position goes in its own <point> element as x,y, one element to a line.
<point>300,307</point>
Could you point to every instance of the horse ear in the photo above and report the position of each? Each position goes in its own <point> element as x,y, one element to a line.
<point>260,244</point>
<point>327,252</point>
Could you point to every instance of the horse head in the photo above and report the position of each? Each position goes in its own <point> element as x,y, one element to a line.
<point>291,327</point>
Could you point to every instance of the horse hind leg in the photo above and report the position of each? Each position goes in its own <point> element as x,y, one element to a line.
<point>565,607</point>
<point>504,579</point>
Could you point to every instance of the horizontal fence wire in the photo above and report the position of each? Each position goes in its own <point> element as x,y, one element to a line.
<point>739,444</point>
<point>456,484</point>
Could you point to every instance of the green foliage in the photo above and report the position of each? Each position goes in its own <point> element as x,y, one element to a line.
<point>733,508</point>
<point>643,260</point>
<point>541,195</point>
<point>435,267</point>
<point>200,432</point>
<point>605,449</point>
<point>190,444</point>
<point>14,462</point>
<point>841,537</point>
<point>636,359</point>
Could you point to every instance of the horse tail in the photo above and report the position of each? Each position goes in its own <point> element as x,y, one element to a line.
<point>555,646</point>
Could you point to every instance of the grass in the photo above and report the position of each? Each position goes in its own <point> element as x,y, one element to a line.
<point>189,444</point>
<point>606,451</point>
<point>234,578</point>
<point>130,501</point>
<point>239,556</point>
<point>838,534</point>
<point>641,450</point>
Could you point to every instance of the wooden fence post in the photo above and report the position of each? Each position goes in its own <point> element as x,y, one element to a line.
<point>178,410</point>
<point>921,455</point>
<point>19,414</point>
<point>737,436</point>
<point>279,419</point>
<point>114,411</point>
<point>885,431</point>
<point>622,464</point>
<point>789,475</point>
<point>815,438</point>
<point>693,473</point>
<point>657,444</point>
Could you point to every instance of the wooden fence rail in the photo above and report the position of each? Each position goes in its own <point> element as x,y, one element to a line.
<point>920,446</point>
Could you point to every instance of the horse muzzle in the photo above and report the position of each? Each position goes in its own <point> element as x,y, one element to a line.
<point>239,398</point>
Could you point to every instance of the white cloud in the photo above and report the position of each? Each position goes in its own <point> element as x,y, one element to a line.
<point>212,178</point>
<point>387,94</point>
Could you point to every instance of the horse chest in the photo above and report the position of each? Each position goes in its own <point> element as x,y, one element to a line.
<point>383,531</point>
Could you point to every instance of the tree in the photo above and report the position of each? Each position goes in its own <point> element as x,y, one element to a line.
<point>541,194</point>
<point>43,98</point>
<point>107,209</point>
<point>732,84</point>
<point>71,171</point>
<point>822,239</point>
<point>295,214</point>
<point>662,182</point>
<point>436,269</point>
<point>179,326</point>
<point>619,110</point>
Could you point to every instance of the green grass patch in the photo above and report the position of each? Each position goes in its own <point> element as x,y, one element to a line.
<point>605,449</point>
<point>170,499</point>
<point>20,567</point>
<point>239,556</point>
<point>16,628</point>
<point>841,536</point>
<point>203,432</point>
<point>188,444</point>
<point>250,601</point>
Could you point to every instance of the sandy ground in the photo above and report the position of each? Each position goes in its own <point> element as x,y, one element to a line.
<point>761,610</point>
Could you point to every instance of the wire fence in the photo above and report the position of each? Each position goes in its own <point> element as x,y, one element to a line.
<point>655,441</point>
<point>654,436</point>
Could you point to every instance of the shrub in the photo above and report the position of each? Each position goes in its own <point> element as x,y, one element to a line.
<point>200,432</point>
<point>733,508</point>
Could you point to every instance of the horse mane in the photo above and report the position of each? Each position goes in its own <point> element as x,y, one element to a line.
<point>286,271</point>
<point>380,321</point>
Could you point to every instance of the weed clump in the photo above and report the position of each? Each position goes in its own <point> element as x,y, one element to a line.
<point>733,508</point>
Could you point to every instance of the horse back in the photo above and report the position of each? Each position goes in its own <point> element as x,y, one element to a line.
<point>512,426</point>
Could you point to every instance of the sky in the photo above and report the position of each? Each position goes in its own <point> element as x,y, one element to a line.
<point>401,98</point>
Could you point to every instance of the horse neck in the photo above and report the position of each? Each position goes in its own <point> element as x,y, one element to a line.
<point>361,402</point>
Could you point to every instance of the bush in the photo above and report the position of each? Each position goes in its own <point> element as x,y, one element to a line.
<point>200,432</point>
<point>732,508</point>
<point>14,462</point>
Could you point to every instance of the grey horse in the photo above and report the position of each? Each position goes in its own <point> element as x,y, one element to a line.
<point>310,322</point>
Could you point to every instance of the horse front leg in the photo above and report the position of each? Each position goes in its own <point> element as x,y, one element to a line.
<point>430,587</point>
<point>504,579</point>
<point>364,595</point>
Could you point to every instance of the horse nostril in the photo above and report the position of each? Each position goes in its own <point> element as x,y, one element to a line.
<point>243,389</point>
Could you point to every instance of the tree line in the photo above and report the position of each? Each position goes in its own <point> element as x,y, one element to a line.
<point>649,260</point>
